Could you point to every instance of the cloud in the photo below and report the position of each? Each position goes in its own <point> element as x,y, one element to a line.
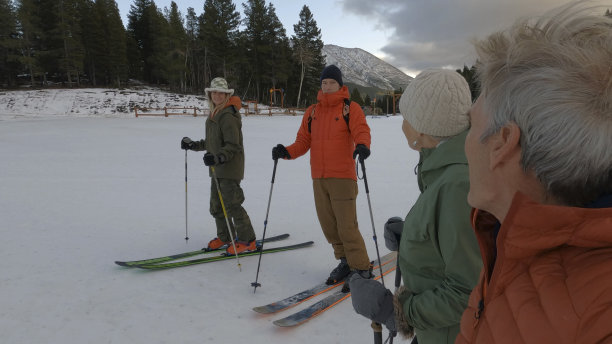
<point>438,33</point>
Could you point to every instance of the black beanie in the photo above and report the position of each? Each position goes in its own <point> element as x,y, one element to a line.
<point>331,72</point>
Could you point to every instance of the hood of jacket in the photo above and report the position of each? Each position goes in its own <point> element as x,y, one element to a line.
<point>432,161</point>
<point>539,227</point>
<point>331,99</point>
<point>235,102</point>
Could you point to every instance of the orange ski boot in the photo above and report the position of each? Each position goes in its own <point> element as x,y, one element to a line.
<point>242,246</point>
<point>216,244</point>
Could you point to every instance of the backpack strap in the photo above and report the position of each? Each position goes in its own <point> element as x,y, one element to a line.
<point>310,118</point>
<point>346,117</point>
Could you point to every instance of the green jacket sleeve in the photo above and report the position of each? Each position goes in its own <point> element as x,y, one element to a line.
<point>454,240</point>
<point>199,145</point>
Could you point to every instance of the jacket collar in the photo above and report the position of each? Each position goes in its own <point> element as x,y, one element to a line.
<point>331,99</point>
<point>530,228</point>
<point>233,101</point>
<point>433,159</point>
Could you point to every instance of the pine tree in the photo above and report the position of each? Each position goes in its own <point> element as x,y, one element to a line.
<point>105,44</point>
<point>267,48</point>
<point>257,48</point>
<point>159,31</point>
<point>356,97</point>
<point>176,64</point>
<point>148,29</point>
<point>9,58</point>
<point>307,49</point>
<point>470,76</point>
<point>280,57</point>
<point>192,27</point>
<point>367,101</point>
<point>31,37</point>
<point>69,29</point>
<point>218,33</point>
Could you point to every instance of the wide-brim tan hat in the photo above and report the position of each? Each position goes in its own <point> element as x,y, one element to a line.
<point>219,85</point>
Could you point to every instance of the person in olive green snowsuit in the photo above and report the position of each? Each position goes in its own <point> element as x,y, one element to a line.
<point>225,151</point>
<point>439,256</point>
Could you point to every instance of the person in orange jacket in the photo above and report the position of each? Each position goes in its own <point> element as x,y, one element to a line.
<point>336,132</point>
<point>539,153</point>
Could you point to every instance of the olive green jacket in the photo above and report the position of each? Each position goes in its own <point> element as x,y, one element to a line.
<point>224,136</point>
<point>439,256</point>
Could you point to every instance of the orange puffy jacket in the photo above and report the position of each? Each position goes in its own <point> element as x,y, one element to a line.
<point>551,280</point>
<point>328,136</point>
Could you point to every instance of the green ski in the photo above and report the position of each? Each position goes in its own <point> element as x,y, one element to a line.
<point>135,263</point>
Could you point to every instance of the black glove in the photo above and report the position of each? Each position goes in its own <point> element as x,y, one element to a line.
<point>186,143</point>
<point>280,152</point>
<point>372,300</point>
<point>362,151</point>
<point>393,232</point>
<point>210,159</point>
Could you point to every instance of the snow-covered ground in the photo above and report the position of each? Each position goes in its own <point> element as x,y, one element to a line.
<point>79,190</point>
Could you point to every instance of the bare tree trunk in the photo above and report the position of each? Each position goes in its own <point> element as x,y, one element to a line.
<point>301,81</point>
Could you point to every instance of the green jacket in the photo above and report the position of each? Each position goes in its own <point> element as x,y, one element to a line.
<point>224,136</point>
<point>439,256</point>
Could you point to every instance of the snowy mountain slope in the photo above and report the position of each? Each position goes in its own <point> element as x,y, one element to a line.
<point>364,69</point>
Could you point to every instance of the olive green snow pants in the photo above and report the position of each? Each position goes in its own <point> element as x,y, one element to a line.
<point>233,196</point>
<point>335,201</point>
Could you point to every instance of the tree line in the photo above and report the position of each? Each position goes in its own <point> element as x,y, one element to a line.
<point>84,43</point>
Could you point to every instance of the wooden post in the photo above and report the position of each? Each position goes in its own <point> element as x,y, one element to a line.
<point>165,111</point>
<point>136,110</point>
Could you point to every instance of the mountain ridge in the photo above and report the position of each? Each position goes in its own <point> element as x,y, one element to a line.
<point>365,70</point>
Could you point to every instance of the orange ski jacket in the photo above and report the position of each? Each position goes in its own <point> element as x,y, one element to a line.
<point>330,139</point>
<point>550,281</point>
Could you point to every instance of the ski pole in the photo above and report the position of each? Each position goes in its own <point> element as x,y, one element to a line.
<point>186,232</point>
<point>376,326</point>
<point>255,284</point>
<point>398,281</point>
<point>229,228</point>
<point>365,181</point>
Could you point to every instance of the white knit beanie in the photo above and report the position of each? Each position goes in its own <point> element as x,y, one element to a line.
<point>437,102</point>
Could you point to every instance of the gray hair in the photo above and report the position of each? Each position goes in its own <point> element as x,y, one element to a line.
<point>553,77</point>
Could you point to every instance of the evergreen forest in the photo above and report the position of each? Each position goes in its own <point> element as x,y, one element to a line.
<point>84,43</point>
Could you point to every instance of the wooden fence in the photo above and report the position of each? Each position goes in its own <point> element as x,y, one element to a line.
<point>194,111</point>
<point>170,111</point>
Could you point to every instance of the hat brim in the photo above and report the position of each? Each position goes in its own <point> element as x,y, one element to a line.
<point>222,90</point>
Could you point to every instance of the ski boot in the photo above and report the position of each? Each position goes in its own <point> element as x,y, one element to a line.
<point>339,272</point>
<point>367,274</point>
<point>241,247</point>
<point>216,244</point>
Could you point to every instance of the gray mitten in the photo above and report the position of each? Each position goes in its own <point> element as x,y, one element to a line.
<point>393,232</point>
<point>372,300</point>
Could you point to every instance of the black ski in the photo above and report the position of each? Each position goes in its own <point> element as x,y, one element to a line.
<point>308,313</point>
<point>223,256</point>
<point>308,294</point>
<point>134,263</point>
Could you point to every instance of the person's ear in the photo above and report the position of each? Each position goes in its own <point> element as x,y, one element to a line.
<point>505,145</point>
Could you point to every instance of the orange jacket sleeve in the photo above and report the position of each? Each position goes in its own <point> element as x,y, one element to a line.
<point>360,131</point>
<point>302,139</point>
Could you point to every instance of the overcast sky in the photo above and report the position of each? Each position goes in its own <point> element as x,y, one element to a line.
<point>410,34</point>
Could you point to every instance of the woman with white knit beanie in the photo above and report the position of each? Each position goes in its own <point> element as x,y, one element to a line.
<point>438,253</point>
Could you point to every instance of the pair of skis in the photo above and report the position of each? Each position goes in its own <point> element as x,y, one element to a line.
<point>174,261</point>
<point>295,319</point>
<point>388,265</point>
